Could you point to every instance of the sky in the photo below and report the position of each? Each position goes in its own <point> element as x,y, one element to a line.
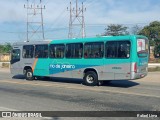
<point>98,14</point>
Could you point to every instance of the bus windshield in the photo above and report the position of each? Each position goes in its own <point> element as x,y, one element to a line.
<point>15,56</point>
<point>142,47</point>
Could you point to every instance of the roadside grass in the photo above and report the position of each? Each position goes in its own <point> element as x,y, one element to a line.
<point>5,65</point>
<point>154,69</point>
<point>156,60</point>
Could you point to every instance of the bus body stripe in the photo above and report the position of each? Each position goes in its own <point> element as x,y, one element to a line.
<point>34,64</point>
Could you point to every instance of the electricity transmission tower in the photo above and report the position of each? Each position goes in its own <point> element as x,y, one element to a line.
<point>35,26</point>
<point>76,21</point>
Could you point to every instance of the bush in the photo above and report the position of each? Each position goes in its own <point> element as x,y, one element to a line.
<point>154,69</point>
<point>5,65</point>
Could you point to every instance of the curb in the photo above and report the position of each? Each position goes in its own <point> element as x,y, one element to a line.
<point>150,65</point>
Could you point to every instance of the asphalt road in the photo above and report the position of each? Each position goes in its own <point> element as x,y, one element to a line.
<point>57,94</point>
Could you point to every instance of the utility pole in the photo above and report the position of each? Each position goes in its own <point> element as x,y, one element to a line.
<point>35,25</point>
<point>76,19</point>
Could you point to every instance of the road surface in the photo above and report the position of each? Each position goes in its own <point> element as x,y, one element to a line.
<point>57,94</point>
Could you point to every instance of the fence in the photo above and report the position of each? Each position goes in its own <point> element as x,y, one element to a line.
<point>4,60</point>
<point>5,57</point>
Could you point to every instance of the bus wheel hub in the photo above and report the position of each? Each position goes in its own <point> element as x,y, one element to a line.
<point>90,79</point>
<point>29,74</point>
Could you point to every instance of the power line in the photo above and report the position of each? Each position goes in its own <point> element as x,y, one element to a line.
<point>23,32</point>
<point>34,26</point>
<point>57,18</point>
<point>76,14</point>
<point>91,2</point>
<point>87,25</point>
<point>94,24</point>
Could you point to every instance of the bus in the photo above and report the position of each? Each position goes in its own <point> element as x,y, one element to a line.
<point>94,60</point>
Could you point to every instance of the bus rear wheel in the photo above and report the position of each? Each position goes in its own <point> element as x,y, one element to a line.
<point>90,78</point>
<point>29,75</point>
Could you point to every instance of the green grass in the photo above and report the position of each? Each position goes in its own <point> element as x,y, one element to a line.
<point>156,60</point>
<point>154,69</point>
<point>5,65</point>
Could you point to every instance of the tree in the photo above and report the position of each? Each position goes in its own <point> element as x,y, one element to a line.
<point>116,30</point>
<point>152,31</point>
<point>135,30</point>
<point>1,48</point>
<point>5,48</point>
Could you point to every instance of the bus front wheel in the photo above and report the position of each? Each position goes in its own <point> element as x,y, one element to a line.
<point>29,75</point>
<point>91,78</point>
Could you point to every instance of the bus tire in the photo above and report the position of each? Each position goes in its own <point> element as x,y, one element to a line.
<point>90,78</point>
<point>29,75</point>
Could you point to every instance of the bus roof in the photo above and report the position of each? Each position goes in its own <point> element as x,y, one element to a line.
<point>99,38</point>
<point>76,40</point>
<point>32,42</point>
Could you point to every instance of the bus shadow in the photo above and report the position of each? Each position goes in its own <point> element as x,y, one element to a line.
<point>113,83</point>
<point>51,79</point>
<point>18,77</point>
<point>121,83</point>
<point>62,80</point>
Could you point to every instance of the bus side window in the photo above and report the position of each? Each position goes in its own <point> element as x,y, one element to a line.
<point>41,51</point>
<point>94,50</point>
<point>74,50</point>
<point>109,52</point>
<point>37,55</point>
<point>124,49</point>
<point>52,54</point>
<point>24,53</point>
<point>28,51</point>
<point>68,54</point>
<point>85,55</point>
<point>45,53</point>
<point>118,49</point>
<point>57,50</point>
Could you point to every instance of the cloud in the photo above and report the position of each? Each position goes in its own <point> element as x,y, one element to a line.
<point>123,11</point>
<point>99,13</point>
<point>11,10</point>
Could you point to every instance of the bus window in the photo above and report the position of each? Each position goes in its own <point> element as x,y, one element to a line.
<point>124,49</point>
<point>118,49</point>
<point>56,51</point>
<point>74,50</point>
<point>94,50</point>
<point>111,49</point>
<point>15,57</point>
<point>28,51</point>
<point>142,47</point>
<point>41,51</point>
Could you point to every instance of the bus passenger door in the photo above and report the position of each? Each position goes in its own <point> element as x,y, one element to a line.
<point>118,59</point>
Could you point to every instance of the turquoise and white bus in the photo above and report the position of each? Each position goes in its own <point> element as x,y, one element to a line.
<point>92,59</point>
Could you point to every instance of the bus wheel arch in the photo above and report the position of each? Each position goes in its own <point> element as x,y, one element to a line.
<point>26,68</point>
<point>90,77</point>
<point>28,73</point>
